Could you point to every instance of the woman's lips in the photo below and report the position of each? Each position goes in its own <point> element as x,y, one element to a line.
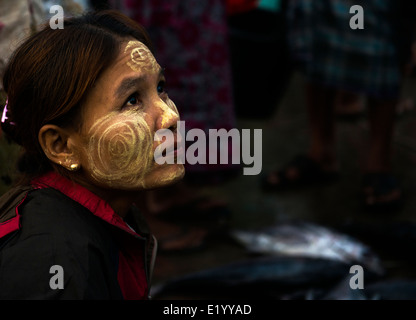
<point>175,151</point>
<point>172,154</point>
<point>178,152</point>
<point>170,151</point>
<point>178,146</point>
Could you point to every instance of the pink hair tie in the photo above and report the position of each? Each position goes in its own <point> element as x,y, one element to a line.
<point>4,115</point>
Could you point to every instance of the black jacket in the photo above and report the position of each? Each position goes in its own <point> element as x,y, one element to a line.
<point>101,257</point>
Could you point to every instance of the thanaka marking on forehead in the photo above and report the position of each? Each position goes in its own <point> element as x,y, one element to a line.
<point>141,59</point>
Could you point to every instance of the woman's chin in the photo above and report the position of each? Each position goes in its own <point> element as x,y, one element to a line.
<point>165,176</point>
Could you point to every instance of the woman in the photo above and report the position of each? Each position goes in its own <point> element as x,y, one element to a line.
<point>199,31</point>
<point>85,103</point>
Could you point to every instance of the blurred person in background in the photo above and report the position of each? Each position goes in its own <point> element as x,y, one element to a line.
<point>17,20</point>
<point>337,58</point>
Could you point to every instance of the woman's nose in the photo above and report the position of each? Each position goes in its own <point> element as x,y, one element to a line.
<point>168,115</point>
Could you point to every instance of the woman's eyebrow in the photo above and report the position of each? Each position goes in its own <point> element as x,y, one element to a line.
<point>128,84</point>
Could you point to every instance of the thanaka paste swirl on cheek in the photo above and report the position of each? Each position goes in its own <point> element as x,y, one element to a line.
<point>120,153</point>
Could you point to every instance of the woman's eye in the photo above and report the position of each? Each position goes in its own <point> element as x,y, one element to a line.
<point>161,87</point>
<point>132,100</point>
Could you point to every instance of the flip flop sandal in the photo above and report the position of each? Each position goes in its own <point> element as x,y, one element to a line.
<point>381,185</point>
<point>196,211</point>
<point>309,172</point>
<point>187,240</point>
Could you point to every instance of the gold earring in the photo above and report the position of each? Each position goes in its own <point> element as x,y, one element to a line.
<point>74,167</point>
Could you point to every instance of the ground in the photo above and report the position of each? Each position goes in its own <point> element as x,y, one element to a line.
<point>285,135</point>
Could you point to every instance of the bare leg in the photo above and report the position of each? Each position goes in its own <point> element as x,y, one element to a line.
<point>320,104</point>
<point>348,103</point>
<point>320,107</point>
<point>381,118</point>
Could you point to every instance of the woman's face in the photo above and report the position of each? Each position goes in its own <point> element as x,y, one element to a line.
<point>122,113</point>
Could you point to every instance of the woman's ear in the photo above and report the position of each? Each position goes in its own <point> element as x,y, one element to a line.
<point>56,143</point>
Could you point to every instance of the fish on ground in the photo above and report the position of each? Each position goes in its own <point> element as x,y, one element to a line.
<point>257,278</point>
<point>299,238</point>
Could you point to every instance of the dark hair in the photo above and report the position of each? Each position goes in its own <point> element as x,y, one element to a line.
<point>51,73</point>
